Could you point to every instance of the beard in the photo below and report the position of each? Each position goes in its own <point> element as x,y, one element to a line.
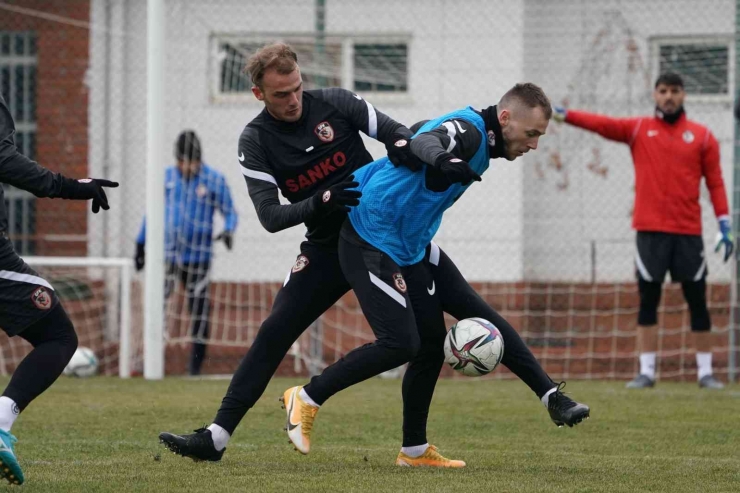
<point>669,117</point>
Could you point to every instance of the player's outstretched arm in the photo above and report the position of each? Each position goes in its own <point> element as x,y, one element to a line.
<point>618,129</point>
<point>26,174</point>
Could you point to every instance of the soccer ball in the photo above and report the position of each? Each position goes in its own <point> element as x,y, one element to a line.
<point>84,363</point>
<point>474,347</point>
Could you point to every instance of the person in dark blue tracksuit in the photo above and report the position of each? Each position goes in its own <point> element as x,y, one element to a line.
<point>193,192</point>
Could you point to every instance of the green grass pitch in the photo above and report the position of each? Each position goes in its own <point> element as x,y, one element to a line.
<point>100,435</point>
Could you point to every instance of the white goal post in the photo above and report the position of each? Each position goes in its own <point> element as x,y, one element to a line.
<point>123,312</point>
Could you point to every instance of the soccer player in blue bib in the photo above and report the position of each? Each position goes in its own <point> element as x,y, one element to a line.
<point>404,282</point>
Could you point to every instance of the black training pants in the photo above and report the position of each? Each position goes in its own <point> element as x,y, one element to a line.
<point>313,285</point>
<point>439,278</point>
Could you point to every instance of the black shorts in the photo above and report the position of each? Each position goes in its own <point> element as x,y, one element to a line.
<point>378,283</point>
<point>24,296</point>
<point>658,253</point>
<point>391,295</point>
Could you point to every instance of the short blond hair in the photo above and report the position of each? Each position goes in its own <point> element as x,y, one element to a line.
<point>531,95</point>
<point>279,56</point>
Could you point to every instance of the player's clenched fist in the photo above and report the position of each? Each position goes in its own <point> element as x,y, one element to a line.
<point>456,170</point>
<point>339,197</point>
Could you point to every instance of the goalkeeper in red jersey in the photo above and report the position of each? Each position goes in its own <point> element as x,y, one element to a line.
<point>671,155</point>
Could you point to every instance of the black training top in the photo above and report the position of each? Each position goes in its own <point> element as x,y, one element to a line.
<point>300,158</point>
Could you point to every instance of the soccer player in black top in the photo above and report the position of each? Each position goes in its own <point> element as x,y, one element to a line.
<point>307,145</point>
<point>29,307</point>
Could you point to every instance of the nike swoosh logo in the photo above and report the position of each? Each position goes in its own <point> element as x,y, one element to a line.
<point>241,157</point>
<point>432,290</point>
<point>358,97</point>
<point>291,426</point>
<point>460,127</point>
<point>652,133</point>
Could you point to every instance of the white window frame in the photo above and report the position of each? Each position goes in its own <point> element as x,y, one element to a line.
<point>347,65</point>
<point>727,40</point>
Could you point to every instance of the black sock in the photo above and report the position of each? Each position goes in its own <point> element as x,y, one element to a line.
<point>54,342</point>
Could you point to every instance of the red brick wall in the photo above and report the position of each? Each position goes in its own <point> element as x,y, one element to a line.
<point>573,329</point>
<point>61,101</point>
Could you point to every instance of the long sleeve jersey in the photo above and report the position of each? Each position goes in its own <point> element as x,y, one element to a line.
<point>189,209</point>
<point>670,161</point>
<point>300,158</point>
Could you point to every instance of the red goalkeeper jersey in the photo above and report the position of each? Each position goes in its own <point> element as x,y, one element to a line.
<point>670,161</point>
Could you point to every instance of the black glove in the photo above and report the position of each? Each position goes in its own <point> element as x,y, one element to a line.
<point>338,197</point>
<point>227,237</point>
<point>139,257</point>
<point>456,170</point>
<point>86,189</point>
<point>399,153</point>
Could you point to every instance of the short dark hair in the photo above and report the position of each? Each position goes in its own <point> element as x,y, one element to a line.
<point>531,95</point>
<point>669,79</point>
<point>279,56</point>
<point>187,146</point>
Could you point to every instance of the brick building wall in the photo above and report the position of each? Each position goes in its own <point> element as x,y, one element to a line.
<point>61,112</point>
<point>575,330</point>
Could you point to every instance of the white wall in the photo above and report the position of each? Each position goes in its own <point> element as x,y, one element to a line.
<point>460,53</point>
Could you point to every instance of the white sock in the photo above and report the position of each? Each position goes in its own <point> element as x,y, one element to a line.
<point>703,364</point>
<point>220,436</point>
<point>306,398</point>
<point>546,398</point>
<point>647,365</point>
<point>8,413</point>
<point>415,451</point>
